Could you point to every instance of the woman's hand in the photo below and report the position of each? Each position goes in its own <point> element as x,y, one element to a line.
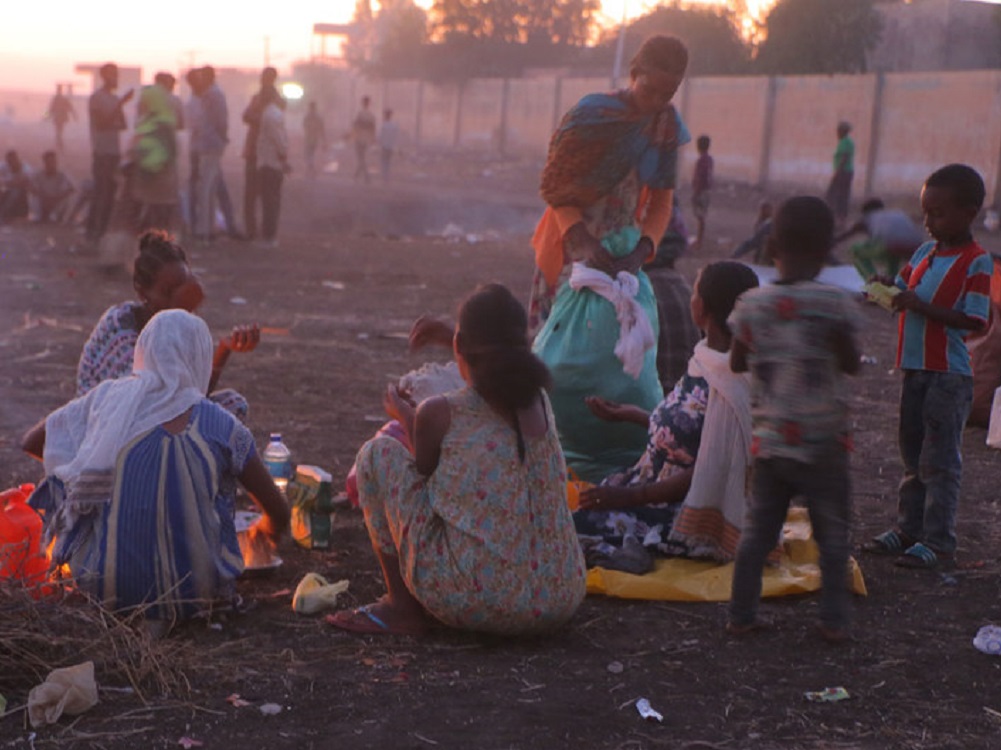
<point>608,498</point>
<point>633,262</point>
<point>611,411</point>
<point>428,331</point>
<point>398,406</point>
<point>243,338</point>
<point>584,247</point>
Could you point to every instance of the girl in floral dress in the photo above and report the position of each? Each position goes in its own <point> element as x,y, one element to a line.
<point>472,527</point>
<point>644,499</point>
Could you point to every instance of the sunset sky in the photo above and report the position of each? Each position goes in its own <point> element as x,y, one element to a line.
<point>41,41</point>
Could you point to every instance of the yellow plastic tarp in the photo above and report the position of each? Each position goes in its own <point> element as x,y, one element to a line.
<point>681,580</point>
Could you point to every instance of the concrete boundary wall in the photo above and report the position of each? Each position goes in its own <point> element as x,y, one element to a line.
<point>765,130</point>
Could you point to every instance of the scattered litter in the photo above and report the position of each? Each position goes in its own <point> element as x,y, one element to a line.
<point>315,593</point>
<point>70,690</point>
<point>992,712</point>
<point>947,580</point>
<point>270,709</point>
<point>237,701</point>
<point>865,359</point>
<point>237,301</point>
<point>362,337</point>
<point>452,232</point>
<point>615,667</point>
<point>647,712</point>
<point>827,695</point>
<point>338,285</point>
<point>189,742</point>
<point>216,626</point>
<point>988,640</point>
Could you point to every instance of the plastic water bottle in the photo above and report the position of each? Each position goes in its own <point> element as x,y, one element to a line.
<point>278,459</point>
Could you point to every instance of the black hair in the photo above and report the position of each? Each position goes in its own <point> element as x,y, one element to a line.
<point>156,250</point>
<point>965,182</point>
<point>703,143</point>
<point>664,53</point>
<point>493,339</point>
<point>873,204</point>
<point>803,225</point>
<point>719,286</point>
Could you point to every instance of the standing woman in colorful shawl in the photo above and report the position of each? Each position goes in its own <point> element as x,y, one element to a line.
<point>609,184</point>
<point>154,150</point>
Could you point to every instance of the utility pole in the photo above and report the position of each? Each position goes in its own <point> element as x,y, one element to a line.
<point>619,48</point>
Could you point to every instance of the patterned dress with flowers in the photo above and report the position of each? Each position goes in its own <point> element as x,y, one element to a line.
<point>675,431</point>
<point>486,542</point>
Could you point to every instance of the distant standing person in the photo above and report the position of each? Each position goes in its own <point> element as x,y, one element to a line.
<point>272,165</point>
<point>702,183</point>
<point>107,120</point>
<point>389,135</point>
<point>363,134</point>
<point>60,112</point>
<point>252,117</point>
<point>212,137</point>
<point>314,135</point>
<point>839,192</point>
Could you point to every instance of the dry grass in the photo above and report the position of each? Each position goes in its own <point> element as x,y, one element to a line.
<point>60,630</point>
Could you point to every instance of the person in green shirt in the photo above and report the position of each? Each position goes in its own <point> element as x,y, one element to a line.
<point>840,189</point>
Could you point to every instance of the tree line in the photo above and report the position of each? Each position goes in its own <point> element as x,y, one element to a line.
<point>459,39</point>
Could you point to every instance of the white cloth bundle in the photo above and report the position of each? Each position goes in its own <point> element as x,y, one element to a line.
<point>635,332</point>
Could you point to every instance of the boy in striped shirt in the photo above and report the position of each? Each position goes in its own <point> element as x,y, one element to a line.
<point>944,295</point>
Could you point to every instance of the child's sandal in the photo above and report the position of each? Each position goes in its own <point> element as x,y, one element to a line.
<point>888,543</point>
<point>920,557</point>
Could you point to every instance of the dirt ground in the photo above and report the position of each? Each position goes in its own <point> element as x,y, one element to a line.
<point>354,269</point>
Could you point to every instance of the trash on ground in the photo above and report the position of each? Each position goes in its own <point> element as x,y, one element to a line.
<point>827,695</point>
<point>338,285</point>
<point>988,640</point>
<point>615,667</point>
<point>237,301</point>
<point>315,593</point>
<point>70,690</point>
<point>270,709</point>
<point>189,742</point>
<point>647,711</point>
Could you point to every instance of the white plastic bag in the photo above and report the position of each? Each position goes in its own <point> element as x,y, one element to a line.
<point>994,428</point>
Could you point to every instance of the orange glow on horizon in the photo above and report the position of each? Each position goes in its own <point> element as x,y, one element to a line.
<point>42,43</point>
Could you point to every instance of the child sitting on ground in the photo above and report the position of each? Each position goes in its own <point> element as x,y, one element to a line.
<point>797,339</point>
<point>945,294</point>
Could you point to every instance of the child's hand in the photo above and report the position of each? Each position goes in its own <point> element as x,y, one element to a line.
<point>428,331</point>
<point>604,409</point>
<point>907,300</point>
<point>606,498</point>
<point>611,411</point>
<point>243,338</point>
<point>398,406</point>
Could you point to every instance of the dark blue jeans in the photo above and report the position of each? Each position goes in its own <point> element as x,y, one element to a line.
<point>824,487</point>
<point>933,411</point>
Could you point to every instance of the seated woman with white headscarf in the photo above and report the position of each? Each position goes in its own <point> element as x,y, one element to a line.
<point>141,477</point>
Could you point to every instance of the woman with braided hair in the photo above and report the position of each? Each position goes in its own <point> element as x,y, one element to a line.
<point>470,525</point>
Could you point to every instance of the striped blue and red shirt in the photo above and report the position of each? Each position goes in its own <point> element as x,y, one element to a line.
<point>957,278</point>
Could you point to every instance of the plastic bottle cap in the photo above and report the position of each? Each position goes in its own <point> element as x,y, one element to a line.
<point>276,437</point>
